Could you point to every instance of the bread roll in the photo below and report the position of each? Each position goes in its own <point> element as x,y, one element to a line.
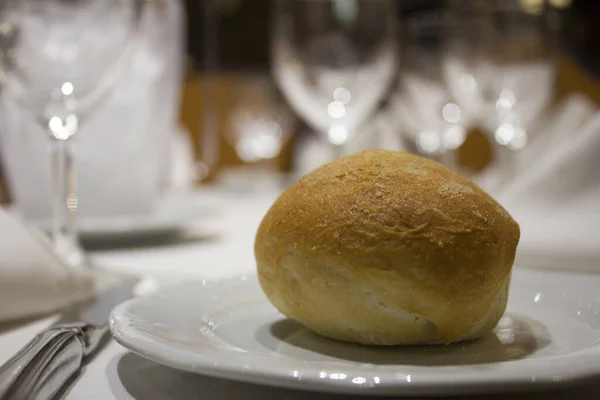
<point>387,248</point>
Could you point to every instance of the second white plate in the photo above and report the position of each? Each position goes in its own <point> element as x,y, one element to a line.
<point>170,215</point>
<point>549,336</point>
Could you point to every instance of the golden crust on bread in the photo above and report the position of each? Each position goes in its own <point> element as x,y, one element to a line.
<point>385,247</point>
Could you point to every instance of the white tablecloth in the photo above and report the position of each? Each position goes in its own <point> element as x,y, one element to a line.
<point>219,245</point>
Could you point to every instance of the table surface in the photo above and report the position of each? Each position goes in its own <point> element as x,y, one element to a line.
<point>218,245</point>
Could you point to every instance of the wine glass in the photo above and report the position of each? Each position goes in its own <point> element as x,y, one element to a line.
<point>59,59</point>
<point>258,126</point>
<point>333,61</point>
<point>501,65</point>
<point>422,104</point>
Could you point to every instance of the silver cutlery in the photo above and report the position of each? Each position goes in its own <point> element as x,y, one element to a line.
<point>41,368</point>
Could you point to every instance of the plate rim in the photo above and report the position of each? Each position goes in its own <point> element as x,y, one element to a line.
<point>562,375</point>
<point>168,216</point>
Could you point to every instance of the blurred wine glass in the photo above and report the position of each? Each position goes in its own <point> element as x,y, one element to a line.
<point>259,125</point>
<point>333,61</point>
<point>59,59</point>
<point>422,105</point>
<point>501,66</point>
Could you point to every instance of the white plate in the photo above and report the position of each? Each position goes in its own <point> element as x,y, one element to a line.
<point>550,336</point>
<point>170,215</point>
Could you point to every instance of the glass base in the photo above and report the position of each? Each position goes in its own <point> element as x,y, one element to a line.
<point>69,251</point>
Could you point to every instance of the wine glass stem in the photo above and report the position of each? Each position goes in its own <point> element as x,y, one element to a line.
<point>64,203</point>
<point>507,160</point>
<point>449,159</point>
<point>337,151</point>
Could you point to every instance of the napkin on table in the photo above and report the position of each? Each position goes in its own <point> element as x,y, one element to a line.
<point>558,125</point>
<point>556,201</point>
<point>33,281</point>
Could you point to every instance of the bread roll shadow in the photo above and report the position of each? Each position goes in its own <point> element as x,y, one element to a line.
<point>515,338</point>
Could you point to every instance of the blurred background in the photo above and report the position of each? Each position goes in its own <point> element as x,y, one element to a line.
<point>230,83</point>
<point>248,95</point>
<point>242,51</point>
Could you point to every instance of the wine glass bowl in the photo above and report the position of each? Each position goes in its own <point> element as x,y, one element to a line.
<point>259,124</point>
<point>500,66</point>
<point>334,61</point>
<point>509,54</point>
<point>61,55</point>
<point>422,104</point>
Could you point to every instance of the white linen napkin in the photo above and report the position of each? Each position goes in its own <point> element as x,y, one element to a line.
<point>32,280</point>
<point>556,127</point>
<point>556,201</point>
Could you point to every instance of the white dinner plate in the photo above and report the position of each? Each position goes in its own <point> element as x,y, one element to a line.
<point>549,337</point>
<point>170,215</point>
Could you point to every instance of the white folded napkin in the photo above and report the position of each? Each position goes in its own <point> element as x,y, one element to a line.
<point>556,127</point>
<point>32,280</point>
<point>559,236</point>
<point>556,200</point>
